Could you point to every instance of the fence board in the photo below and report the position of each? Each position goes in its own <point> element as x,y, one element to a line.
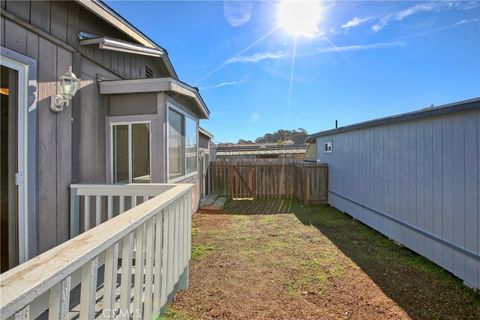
<point>259,178</point>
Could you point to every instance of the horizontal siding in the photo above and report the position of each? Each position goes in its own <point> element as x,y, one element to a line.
<point>417,182</point>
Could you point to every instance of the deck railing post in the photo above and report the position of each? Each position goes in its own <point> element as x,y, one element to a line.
<point>74,213</point>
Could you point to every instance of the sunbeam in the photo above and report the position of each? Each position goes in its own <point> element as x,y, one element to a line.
<point>290,86</point>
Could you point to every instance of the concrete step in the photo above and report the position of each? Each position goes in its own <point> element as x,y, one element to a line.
<point>208,201</point>
<point>213,202</point>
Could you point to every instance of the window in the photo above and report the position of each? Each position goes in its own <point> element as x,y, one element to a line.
<point>328,147</point>
<point>131,152</point>
<point>182,145</point>
<point>176,166</point>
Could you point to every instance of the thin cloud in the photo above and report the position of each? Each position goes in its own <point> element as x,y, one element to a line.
<point>360,47</point>
<point>400,15</point>
<point>225,84</point>
<point>464,21</point>
<point>355,22</point>
<point>421,8</point>
<point>257,57</point>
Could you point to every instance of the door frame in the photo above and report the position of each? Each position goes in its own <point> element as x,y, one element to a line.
<point>25,178</point>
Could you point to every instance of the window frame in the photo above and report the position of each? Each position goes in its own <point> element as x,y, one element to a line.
<point>326,144</point>
<point>130,156</point>
<point>185,114</point>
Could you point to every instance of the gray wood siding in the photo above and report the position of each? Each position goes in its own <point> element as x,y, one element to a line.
<point>71,145</point>
<point>417,182</point>
<point>64,19</point>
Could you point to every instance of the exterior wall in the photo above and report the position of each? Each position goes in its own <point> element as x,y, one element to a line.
<point>131,104</point>
<point>213,153</point>
<point>415,181</point>
<point>71,145</point>
<point>203,141</point>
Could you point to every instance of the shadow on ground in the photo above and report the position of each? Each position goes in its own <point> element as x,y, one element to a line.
<point>421,288</point>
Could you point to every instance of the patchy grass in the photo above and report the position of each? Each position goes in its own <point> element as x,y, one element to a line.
<point>200,250</point>
<point>174,314</point>
<point>278,259</point>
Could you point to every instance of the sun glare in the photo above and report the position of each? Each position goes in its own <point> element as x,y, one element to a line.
<point>299,18</point>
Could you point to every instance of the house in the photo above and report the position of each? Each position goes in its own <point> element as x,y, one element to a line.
<point>207,152</point>
<point>127,133</point>
<point>263,151</point>
<point>414,178</point>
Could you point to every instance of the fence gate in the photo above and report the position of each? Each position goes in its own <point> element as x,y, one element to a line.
<point>258,178</point>
<point>242,182</point>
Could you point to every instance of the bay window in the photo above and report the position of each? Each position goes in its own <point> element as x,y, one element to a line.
<point>182,144</point>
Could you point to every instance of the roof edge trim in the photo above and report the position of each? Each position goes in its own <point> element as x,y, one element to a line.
<point>464,105</point>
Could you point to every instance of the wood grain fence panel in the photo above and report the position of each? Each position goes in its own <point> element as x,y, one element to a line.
<point>264,179</point>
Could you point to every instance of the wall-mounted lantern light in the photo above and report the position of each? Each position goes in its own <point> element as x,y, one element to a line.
<point>69,84</point>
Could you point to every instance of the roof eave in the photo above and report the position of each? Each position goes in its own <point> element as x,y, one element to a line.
<point>465,105</point>
<point>109,15</point>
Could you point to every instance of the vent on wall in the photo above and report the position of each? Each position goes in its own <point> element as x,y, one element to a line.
<point>148,72</point>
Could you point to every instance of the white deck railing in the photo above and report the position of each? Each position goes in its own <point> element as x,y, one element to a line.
<point>98,274</point>
<point>92,204</point>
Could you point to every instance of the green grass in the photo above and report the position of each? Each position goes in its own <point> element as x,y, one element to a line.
<point>174,314</point>
<point>200,250</point>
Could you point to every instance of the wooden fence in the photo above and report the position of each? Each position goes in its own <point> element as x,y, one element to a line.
<point>257,178</point>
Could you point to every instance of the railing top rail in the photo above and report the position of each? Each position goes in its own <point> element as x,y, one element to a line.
<point>22,284</point>
<point>131,189</point>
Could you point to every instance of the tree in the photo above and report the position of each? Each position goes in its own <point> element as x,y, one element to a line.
<point>298,136</point>
<point>241,141</point>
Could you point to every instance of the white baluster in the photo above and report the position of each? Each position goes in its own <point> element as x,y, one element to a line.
<point>158,264</point>
<point>149,268</point>
<point>110,278</point>
<point>86,213</point>
<point>139,263</point>
<point>88,289</point>
<point>59,300</point>
<point>126,277</point>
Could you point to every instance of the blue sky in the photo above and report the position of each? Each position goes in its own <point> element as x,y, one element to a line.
<point>365,60</point>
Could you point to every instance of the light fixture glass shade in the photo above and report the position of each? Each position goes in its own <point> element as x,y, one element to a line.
<point>69,85</point>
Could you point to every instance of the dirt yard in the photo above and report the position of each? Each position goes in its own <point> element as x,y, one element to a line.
<point>277,259</point>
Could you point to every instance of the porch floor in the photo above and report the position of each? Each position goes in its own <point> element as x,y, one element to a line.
<point>278,259</point>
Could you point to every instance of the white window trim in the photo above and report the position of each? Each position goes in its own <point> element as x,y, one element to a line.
<point>130,162</point>
<point>22,156</point>
<point>182,112</point>
<point>331,146</point>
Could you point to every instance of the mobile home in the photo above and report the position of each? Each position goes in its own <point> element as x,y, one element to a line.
<point>415,178</point>
<point>95,122</point>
